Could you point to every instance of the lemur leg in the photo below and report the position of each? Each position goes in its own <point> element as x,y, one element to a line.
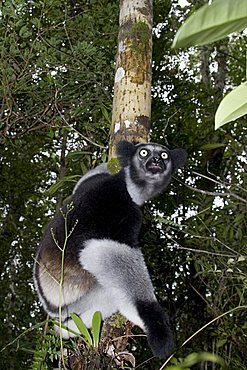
<point>121,270</point>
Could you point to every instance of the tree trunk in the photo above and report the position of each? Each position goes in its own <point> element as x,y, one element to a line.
<point>132,89</point>
<point>131,115</point>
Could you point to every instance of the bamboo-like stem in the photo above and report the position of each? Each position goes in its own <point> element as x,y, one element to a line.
<point>131,114</point>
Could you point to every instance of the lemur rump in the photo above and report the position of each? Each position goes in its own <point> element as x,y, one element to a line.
<point>104,269</point>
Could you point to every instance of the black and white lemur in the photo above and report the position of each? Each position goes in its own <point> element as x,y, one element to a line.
<point>104,269</point>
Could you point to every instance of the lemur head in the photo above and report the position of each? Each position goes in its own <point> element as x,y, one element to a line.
<point>148,167</point>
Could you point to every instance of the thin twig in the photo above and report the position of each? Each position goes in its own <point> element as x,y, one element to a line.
<point>178,246</point>
<point>67,123</point>
<point>221,183</point>
<point>214,194</point>
<point>216,239</point>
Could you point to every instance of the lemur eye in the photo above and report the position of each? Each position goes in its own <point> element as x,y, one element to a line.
<point>143,153</point>
<point>164,155</point>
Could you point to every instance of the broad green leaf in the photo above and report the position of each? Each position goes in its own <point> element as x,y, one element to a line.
<point>82,328</point>
<point>65,327</point>
<point>212,22</point>
<point>194,358</point>
<point>96,327</point>
<point>233,106</point>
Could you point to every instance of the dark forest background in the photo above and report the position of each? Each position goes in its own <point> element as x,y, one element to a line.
<point>57,72</point>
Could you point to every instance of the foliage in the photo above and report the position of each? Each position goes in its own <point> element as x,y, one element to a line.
<point>211,23</point>
<point>57,72</point>
<point>91,340</point>
<point>57,69</point>
<point>233,106</point>
<point>48,351</point>
<point>48,68</point>
<point>195,358</point>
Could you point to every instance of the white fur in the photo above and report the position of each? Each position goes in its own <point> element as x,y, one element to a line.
<point>123,273</point>
<point>134,190</point>
<point>153,185</point>
<point>97,300</point>
<point>122,279</point>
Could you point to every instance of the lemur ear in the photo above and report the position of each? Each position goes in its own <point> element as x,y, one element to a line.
<point>125,151</point>
<point>179,157</point>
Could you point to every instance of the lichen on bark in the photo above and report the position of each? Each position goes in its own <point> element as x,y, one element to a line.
<point>132,90</point>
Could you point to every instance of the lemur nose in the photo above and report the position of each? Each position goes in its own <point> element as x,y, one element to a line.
<point>156,159</point>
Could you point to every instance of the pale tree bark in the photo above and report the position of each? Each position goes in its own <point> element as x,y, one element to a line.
<point>132,89</point>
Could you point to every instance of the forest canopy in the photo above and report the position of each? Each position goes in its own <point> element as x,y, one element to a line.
<point>57,75</point>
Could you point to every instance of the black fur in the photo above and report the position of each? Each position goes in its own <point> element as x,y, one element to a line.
<point>159,334</point>
<point>102,256</point>
<point>179,157</point>
<point>95,202</point>
<point>125,152</point>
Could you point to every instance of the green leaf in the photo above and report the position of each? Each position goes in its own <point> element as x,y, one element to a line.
<point>221,342</point>
<point>212,22</point>
<point>54,188</point>
<point>82,328</point>
<point>24,32</point>
<point>211,146</point>
<point>65,327</point>
<point>78,155</point>
<point>105,114</point>
<point>233,106</point>
<point>241,259</point>
<point>245,325</point>
<point>96,328</point>
<point>197,357</point>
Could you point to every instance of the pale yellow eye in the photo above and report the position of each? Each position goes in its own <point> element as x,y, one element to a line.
<point>164,155</point>
<point>143,153</point>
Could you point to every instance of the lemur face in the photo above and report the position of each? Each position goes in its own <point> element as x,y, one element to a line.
<point>150,163</point>
<point>154,158</point>
<point>154,161</point>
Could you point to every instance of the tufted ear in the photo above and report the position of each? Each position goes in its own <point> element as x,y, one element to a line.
<point>179,157</point>
<point>125,151</point>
